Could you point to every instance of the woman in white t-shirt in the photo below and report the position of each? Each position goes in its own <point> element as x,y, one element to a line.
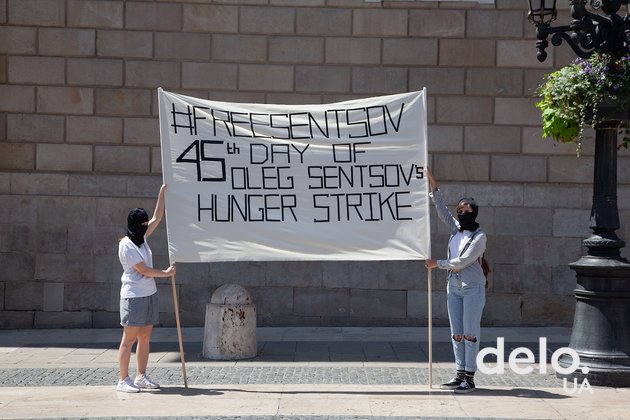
<point>138,295</point>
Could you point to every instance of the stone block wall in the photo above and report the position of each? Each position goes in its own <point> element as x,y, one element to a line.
<point>79,147</point>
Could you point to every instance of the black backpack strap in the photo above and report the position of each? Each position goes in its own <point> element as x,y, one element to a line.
<point>469,242</point>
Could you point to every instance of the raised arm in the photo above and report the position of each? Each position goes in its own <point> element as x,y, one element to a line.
<point>438,201</point>
<point>432,181</point>
<point>158,213</point>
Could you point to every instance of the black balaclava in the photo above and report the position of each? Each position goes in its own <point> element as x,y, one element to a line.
<point>467,220</point>
<point>135,229</point>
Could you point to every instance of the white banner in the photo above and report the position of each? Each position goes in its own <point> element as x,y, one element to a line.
<point>261,182</point>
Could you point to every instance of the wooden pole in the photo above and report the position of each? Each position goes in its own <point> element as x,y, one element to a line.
<point>179,331</point>
<point>430,305</point>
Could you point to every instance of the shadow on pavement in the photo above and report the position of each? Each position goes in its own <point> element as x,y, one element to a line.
<point>514,392</point>
<point>519,393</point>
<point>180,390</point>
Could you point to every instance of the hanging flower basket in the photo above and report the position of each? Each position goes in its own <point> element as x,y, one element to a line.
<point>587,91</point>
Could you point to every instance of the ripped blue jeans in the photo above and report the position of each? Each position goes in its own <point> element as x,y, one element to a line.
<point>465,306</point>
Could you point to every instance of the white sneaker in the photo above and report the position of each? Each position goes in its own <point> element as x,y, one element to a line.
<point>143,381</point>
<point>125,385</point>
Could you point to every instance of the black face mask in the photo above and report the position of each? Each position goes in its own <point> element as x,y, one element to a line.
<point>135,228</point>
<point>467,221</point>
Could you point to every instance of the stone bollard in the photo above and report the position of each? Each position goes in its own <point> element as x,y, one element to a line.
<point>230,330</point>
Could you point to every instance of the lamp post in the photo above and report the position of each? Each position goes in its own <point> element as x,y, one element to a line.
<point>601,326</point>
<point>608,33</point>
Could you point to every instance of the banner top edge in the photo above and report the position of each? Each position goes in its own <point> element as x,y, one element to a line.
<point>348,101</point>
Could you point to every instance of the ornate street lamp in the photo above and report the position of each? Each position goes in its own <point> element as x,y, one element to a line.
<point>609,33</point>
<point>601,326</point>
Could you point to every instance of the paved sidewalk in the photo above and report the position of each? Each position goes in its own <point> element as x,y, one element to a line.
<point>299,373</point>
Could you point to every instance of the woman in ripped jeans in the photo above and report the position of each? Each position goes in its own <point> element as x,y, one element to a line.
<point>466,292</point>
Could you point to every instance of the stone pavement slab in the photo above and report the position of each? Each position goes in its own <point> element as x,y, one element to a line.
<point>275,401</point>
<point>98,347</point>
<point>299,373</point>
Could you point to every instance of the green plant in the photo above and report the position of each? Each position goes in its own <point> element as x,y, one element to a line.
<point>571,96</point>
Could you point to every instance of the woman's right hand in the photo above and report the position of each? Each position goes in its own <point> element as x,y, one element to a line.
<point>170,271</point>
<point>431,264</point>
<point>432,181</point>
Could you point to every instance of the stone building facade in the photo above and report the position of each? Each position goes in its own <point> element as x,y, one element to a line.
<point>79,147</point>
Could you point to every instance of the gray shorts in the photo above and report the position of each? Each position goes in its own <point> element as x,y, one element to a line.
<point>139,311</point>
